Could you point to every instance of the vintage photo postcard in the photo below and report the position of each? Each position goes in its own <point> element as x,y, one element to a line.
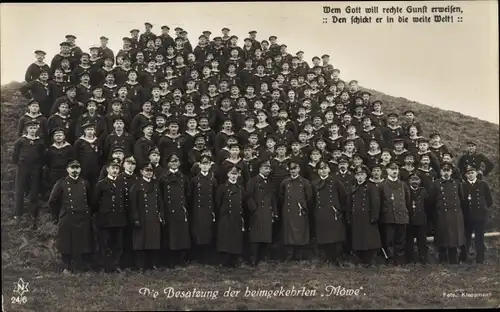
<point>250,155</point>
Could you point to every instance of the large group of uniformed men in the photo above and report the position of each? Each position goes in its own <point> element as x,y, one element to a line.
<point>173,151</point>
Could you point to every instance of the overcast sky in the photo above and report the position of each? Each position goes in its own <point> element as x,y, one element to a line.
<point>451,66</point>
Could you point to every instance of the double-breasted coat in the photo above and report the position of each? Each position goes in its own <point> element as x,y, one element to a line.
<point>364,207</point>
<point>229,199</point>
<point>70,204</point>
<point>329,208</point>
<point>295,198</point>
<point>146,206</point>
<point>175,234</point>
<point>201,198</point>
<point>261,204</point>
<point>476,200</point>
<point>109,203</point>
<point>445,198</point>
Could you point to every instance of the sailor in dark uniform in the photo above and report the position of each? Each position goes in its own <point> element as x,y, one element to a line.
<point>476,202</point>
<point>28,156</point>
<point>147,216</point>
<point>33,71</point>
<point>111,215</point>
<point>70,204</point>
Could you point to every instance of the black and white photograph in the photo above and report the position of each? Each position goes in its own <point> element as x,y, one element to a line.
<point>187,156</point>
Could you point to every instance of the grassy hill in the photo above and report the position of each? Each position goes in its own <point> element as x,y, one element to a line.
<point>31,255</point>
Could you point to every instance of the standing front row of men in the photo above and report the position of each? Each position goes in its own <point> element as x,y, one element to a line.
<point>294,139</point>
<point>170,219</point>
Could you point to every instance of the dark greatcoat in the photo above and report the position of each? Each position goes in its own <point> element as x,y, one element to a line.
<point>444,197</point>
<point>201,207</point>
<point>175,235</point>
<point>261,204</point>
<point>365,205</point>
<point>229,199</point>
<point>69,202</point>
<point>294,195</point>
<point>146,206</point>
<point>329,207</point>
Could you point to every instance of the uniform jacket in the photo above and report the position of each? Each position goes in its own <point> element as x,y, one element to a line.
<point>418,208</point>
<point>109,203</point>
<point>28,151</point>
<point>476,200</point>
<point>394,202</point>
<point>476,160</point>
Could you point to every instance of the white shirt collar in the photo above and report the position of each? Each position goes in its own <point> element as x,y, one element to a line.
<point>146,179</point>
<point>111,178</point>
<point>473,181</point>
<point>204,173</point>
<point>392,179</point>
<point>174,171</point>
<point>263,177</point>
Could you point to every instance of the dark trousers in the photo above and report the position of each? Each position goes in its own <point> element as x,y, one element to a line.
<point>28,178</point>
<point>332,252</point>
<point>177,257</point>
<point>476,227</point>
<point>257,252</point>
<point>76,262</point>
<point>128,254</point>
<point>416,232</point>
<point>393,241</point>
<point>146,259</point>
<point>229,259</point>
<point>293,252</point>
<point>347,244</point>
<point>200,253</point>
<point>110,247</point>
<point>366,256</point>
<point>449,254</point>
